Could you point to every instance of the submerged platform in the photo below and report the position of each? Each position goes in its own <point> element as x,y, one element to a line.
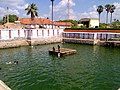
<point>62,52</point>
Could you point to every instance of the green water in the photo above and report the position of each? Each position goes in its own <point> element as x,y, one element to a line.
<point>92,68</point>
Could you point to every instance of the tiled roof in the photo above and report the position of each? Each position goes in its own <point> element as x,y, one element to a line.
<point>58,23</point>
<point>41,21</point>
<point>93,31</point>
<point>38,21</point>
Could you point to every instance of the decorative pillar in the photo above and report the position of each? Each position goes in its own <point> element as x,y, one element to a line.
<point>96,41</point>
<point>9,34</point>
<point>18,33</point>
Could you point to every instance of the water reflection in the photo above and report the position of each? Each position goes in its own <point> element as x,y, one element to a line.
<point>91,68</point>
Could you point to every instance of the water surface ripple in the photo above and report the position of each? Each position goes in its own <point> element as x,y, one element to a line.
<point>92,68</point>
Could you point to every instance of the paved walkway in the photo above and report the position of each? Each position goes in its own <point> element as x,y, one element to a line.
<point>3,86</point>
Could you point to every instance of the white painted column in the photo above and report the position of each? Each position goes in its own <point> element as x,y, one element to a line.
<point>95,39</point>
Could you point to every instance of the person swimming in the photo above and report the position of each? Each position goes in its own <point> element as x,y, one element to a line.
<point>15,62</point>
<point>53,49</point>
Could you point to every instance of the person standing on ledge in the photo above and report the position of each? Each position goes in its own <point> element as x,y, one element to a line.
<point>58,48</point>
<point>58,51</point>
<point>53,49</point>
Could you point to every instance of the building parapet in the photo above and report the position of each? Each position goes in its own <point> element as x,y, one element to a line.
<point>94,35</point>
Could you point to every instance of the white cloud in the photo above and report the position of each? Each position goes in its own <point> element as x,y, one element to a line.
<point>13,11</point>
<point>61,11</point>
<point>116,14</point>
<point>22,6</point>
<point>92,13</point>
<point>3,11</point>
<point>14,3</point>
<point>15,7</point>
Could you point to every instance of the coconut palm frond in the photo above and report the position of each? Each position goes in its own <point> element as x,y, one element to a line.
<point>32,10</point>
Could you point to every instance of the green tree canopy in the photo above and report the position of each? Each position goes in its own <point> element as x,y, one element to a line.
<point>12,18</point>
<point>74,22</point>
<point>100,10</point>
<point>107,8</point>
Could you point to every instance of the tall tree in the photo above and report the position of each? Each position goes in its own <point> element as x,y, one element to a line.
<point>32,10</point>
<point>52,11</point>
<point>107,7</point>
<point>112,9</point>
<point>99,10</point>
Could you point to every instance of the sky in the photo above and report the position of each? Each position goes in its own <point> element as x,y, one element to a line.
<point>78,8</point>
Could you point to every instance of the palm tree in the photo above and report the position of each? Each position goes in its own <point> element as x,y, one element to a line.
<point>107,7</point>
<point>52,12</point>
<point>111,11</point>
<point>99,10</point>
<point>32,10</point>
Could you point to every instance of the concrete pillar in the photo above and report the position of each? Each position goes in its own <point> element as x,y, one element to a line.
<point>9,34</point>
<point>0,34</point>
<point>96,41</point>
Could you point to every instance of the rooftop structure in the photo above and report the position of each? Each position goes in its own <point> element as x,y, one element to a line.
<point>90,22</point>
<point>39,21</point>
<point>44,23</point>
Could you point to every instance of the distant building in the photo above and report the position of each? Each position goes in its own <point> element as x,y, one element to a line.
<point>62,25</point>
<point>89,22</point>
<point>43,23</point>
<point>36,23</point>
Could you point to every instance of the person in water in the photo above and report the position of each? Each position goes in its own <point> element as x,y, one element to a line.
<point>15,62</point>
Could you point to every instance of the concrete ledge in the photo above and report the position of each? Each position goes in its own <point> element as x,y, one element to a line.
<point>3,86</point>
<point>13,43</point>
<point>40,41</point>
<point>27,42</point>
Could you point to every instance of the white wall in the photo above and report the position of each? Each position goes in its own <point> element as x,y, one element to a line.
<point>7,34</point>
<point>93,23</point>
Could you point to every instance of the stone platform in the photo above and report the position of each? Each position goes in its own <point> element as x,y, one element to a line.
<point>62,52</point>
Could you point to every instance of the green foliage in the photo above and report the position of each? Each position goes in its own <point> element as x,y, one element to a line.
<point>112,8</point>
<point>74,22</point>
<point>103,25</point>
<point>32,10</point>
<point>100,9</point>
<point>12,18</point>
<point>107,7</point>
<point>116,24</point>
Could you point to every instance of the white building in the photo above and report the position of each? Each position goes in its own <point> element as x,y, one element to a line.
<point>90,22</point>
<point>43,23</point>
